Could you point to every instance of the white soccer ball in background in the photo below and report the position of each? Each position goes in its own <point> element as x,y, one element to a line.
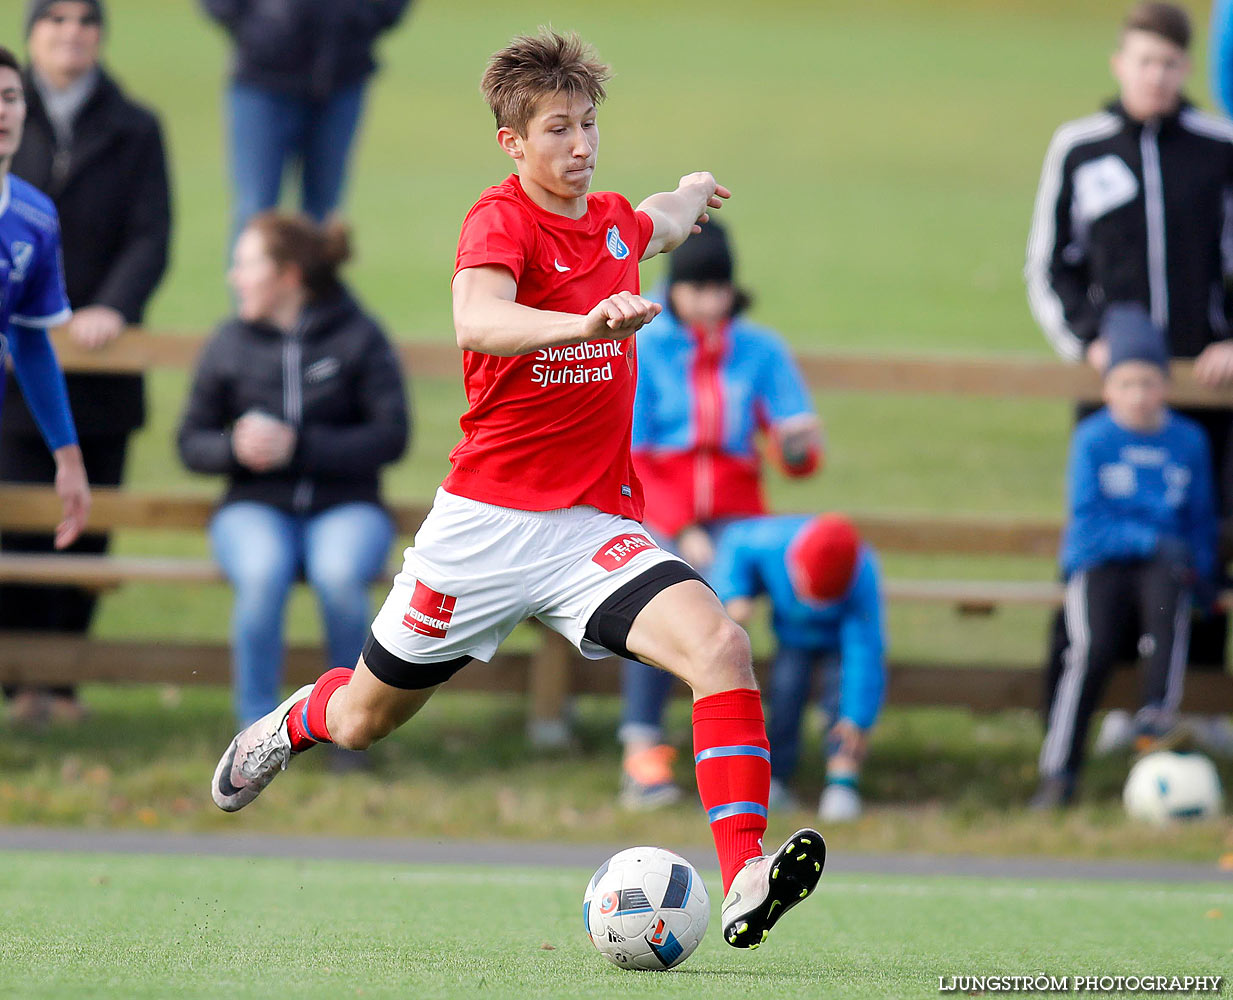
<point>1164,787</point>
<point>646,908</point>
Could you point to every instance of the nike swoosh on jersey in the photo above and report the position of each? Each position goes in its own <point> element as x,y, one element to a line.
<point>558,265</point>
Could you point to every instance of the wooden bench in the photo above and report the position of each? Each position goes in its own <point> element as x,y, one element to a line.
<point>552,674</point>
<point>554,671</point>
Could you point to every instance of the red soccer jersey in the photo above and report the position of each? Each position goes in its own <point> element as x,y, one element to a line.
<point>550,429</point>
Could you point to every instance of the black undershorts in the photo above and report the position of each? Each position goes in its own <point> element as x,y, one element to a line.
<point>610,624</point>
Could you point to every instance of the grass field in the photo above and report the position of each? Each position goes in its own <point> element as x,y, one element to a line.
<point>155,927</point>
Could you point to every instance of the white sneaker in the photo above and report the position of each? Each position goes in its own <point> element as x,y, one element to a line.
<point>255,757</point>
<point>767,887</point>
<point>1117,733</point>
<point>839,804</point>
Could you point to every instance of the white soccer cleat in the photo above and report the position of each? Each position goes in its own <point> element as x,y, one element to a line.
<point>255,757</point>
<point>839,804</point>
<point>767,887</point>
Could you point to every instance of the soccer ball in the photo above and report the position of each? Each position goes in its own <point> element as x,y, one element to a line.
<point>646,908</point>
<point>1167,786</point>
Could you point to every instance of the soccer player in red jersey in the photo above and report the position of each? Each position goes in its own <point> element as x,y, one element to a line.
<point>538,516</point>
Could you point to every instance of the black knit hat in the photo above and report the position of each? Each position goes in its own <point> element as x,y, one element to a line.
<point>705,256</point>
<point>38,9</point>
<point>1132,336</point>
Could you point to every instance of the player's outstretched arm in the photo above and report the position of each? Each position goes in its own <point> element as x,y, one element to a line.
<point>679,213</point>
<point>488,320</point>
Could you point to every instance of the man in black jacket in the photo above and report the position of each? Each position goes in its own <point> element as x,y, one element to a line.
<point>1135,204</point>
<point>299,72</point>
<point>100,157</point>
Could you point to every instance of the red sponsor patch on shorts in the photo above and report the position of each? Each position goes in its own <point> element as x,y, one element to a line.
<point>618,551</point>
<point>429,612</point>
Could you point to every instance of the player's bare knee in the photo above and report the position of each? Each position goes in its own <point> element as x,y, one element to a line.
<point>725,660</point>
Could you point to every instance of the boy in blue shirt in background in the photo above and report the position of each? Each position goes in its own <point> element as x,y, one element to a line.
<point>826,612</point>
<point>1138,551</point>
<point>32,300</point>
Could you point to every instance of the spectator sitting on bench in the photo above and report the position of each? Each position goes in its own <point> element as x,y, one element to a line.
<point>299,401</point>
<point>826,611</point>
<point>1138,550</point>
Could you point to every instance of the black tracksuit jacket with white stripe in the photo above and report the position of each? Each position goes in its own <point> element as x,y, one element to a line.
<point>1129,211</point>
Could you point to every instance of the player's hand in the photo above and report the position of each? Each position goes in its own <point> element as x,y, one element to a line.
<point>708,190</point>
<point>95,326</point>
<point>619,316</point>
<point>1214,366</point>
<point>73,489</point>
<point>1097,355</point>
<point>261,442</point>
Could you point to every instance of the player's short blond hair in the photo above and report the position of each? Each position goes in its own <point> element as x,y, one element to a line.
<point>532,67</point>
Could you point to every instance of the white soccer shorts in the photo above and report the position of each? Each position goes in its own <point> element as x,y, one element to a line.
<point>476,570</point>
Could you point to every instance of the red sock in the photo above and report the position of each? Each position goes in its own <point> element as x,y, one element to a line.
<point>733,760</point>
<point>306,721</point>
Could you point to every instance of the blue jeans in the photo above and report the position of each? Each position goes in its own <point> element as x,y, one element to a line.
<point>792,673</point>
<point>644,689</point>
<point>263,550</point>
<point>268,130</point>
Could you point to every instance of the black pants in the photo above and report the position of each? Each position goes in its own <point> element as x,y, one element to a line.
<point>1107,609</point>
<point>25,459</point>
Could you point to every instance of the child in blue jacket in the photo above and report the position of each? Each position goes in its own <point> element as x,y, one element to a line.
<point>824,588</point>
<point>713,390</point>
<point>1138,551</point>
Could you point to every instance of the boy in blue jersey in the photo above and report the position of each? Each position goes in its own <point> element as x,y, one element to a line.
<point>1138,550</point>
<point>826,612</point>
<point>32,299</point>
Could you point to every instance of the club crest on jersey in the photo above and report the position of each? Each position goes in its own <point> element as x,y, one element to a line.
<point>616,245</point>
<point>22,253</point>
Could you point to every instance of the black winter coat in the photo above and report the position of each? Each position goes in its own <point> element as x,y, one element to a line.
<point>335,378</point>
<point>304,48</point>
<point>110,189</point>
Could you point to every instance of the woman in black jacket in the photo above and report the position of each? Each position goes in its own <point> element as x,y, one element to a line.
<point>299,401</point>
